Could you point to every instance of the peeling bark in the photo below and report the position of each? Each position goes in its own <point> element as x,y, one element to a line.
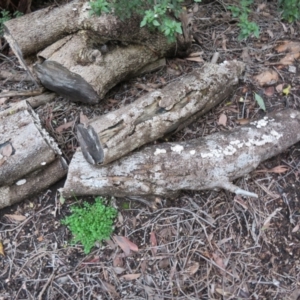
<point>205,163</point>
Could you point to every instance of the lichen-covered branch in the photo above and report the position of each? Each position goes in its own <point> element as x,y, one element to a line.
<point>205,163</point>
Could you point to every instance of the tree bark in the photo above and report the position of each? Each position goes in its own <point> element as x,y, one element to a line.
<point>86,56</point>
<point>160,112</point>
<point>26,151</point>
<point>206,163</point>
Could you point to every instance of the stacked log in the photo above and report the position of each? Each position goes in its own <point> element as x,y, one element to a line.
<point>30,160</point>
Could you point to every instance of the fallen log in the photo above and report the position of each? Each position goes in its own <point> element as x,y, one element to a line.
<point>159,112</point>
<point>85,55</point>
<point>30,159</point>
<point>205,163</point>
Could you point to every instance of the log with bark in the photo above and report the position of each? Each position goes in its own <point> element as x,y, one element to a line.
<point>86,56</point>
<point>205,163</point>
<point>30,160</point>
<point>158,113</point>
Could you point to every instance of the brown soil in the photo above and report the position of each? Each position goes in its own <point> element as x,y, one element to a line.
<point>207,245</point>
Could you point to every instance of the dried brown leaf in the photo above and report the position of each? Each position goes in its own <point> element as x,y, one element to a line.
<point>7,150</point>
<point>278,170</point>
<point>289,59</point>
<point>222,120</point>
<point>18,218</point>
<point>131,276</point>
<point>1,249</point>
<point>296,228</point>
<point>267,77</point>
<point>118,261</point>
<point>245,55</point>
<point>243,121</point>
<point>289,46</point>
<point>62,127</point>
<point>119,270</point>
<point>223,293</point>
<point>269,91</point>
<point>83,119</point>
<point>164,263</point>
<point>125,244</point>
<point>110,288</point>
<point>153,242</point>
<point>218,260</point>
<point>193,268</point>
<point>196,59</point>
<point>241,202</point>
<point>279,88</point>
<point>194,54</point>
<point>40,238</point>
<point>269,218</point>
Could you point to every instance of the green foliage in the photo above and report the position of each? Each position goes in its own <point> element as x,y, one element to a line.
<point>5,16</point>
<point>91,223</point>
<point>247,28</point>
<point>155,13</point>
<point>290,10</point>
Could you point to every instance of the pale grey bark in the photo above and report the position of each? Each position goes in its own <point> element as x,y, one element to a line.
<point>26,152</point>
<point>205,163</point>
<point>163,111</point>
<point>76,65</point>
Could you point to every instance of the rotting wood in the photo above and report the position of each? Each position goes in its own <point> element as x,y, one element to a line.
<point>75,64</point>
<point>205,163</point>
<point>27,155</point>
<point>160,112</point>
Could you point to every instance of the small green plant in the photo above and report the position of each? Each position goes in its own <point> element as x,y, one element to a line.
<point>5,16</point>
<point>290,10</point>
<point>247,28</point>
<point>155,13</point>
<point>91,223</point>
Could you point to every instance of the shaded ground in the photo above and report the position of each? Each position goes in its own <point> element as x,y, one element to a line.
<point>208,245</point>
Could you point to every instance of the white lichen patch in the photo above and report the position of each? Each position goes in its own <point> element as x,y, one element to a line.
<point>229,150</point>
<point>212,153</point>
<point>276,134</point>
<point>177,148</point>
<point>21,182</point>
<point>192,152</point>
<point>273,137</point>
<point>262,123</point>
<point>159,151</point>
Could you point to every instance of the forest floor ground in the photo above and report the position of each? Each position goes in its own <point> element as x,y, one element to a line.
<point>202,245</point>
